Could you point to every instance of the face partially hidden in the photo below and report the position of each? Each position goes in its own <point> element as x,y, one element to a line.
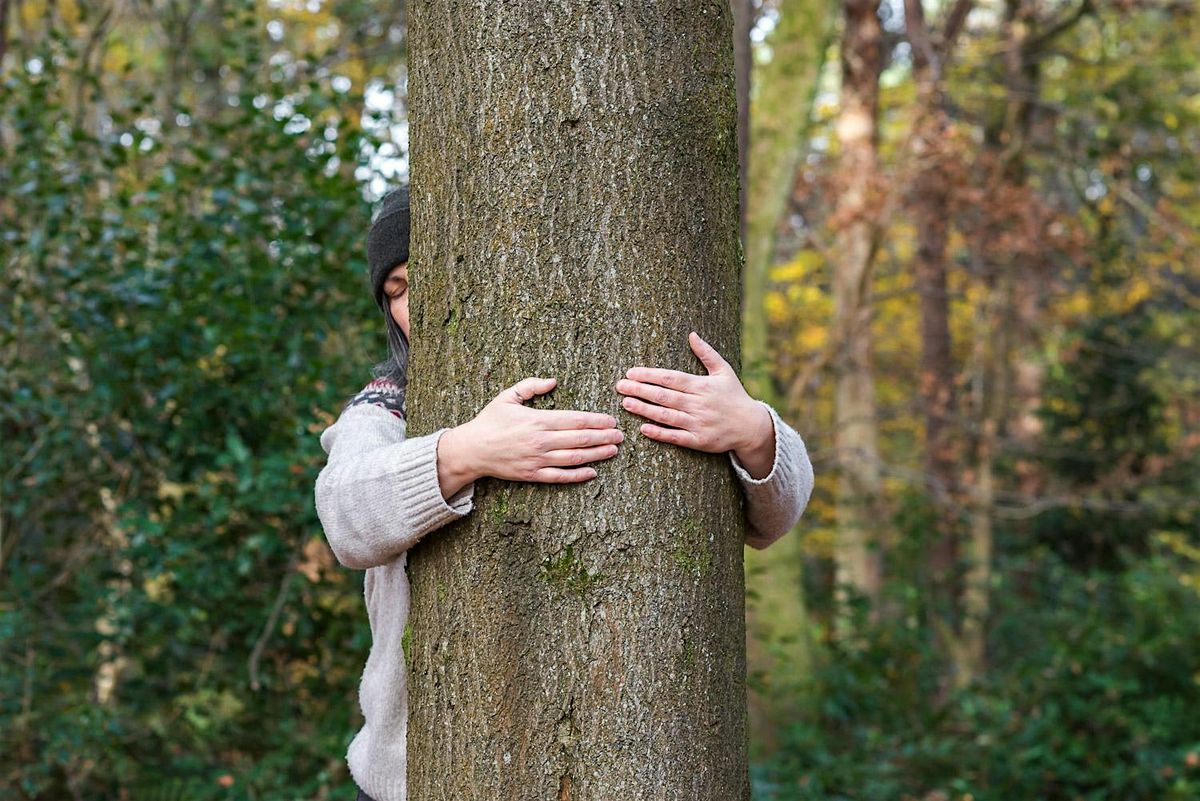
<point>395,287</point>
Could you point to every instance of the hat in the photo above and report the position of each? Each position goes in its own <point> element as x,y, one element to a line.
<point>387,241</point>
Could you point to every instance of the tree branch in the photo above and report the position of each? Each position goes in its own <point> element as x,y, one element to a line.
<point>956,18</point>
<point>272,619</point>
<point>924,55</point>
<point>1060,27</point>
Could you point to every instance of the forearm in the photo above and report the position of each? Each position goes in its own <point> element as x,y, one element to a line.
<point>379,493</point>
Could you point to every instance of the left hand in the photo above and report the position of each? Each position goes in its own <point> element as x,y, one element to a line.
<point>711,413</point>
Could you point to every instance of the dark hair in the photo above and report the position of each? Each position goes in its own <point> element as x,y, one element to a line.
<point>387,248</point>
<point>395,367</point>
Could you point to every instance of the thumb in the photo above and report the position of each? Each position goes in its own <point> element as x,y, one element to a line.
<point>526,388</point>
<point>707,354</point>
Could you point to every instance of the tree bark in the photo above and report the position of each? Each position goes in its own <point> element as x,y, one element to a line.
<point>860,520</point>
<point>574,185</point>
<point>743,60</point>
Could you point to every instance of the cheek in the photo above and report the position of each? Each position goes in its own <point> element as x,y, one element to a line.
<point>400,309</point>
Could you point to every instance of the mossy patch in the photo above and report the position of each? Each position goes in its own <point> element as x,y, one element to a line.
<point>500,510</point>
<point>689,655</point>
<point>697,562</point>
<point>690,553</point>
<point>567,572</point>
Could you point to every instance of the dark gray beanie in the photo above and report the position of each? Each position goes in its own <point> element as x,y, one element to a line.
<point>387,241</point>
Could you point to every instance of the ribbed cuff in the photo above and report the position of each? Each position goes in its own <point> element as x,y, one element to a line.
<point>382,784</point>
<point>740,469</point>
<point>379,769</point>
<point>417,474</point>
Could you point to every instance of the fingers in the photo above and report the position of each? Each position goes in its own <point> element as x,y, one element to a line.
<point>659,414</point>
<point>674,436</point>
<point>557,475</point>
<point>578,456</point>
<point>558,419</point>
<point>712,361</point>
<point>656,394</point>
<point>674,379</point>
<point>526,388</point>
<point>580,438</point>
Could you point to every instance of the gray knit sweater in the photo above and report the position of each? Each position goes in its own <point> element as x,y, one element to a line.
<point>378,494</point>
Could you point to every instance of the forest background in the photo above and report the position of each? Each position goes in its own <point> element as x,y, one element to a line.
<point>971,284</point>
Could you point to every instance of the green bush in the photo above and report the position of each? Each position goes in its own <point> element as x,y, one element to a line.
<point>1088,696</point>
<point>184,310</point>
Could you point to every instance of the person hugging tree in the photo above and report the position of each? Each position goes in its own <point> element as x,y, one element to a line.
<point>380,492</point>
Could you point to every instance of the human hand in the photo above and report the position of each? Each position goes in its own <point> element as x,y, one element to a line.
<point>512,441</point>
<point>711,413</point>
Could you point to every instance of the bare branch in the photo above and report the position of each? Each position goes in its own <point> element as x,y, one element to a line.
<point>956,18</point>
<point>272,619</point>
<point>1060,27</point>
<point>924,55</point>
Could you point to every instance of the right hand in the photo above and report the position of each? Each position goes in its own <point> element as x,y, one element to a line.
<point>512,441</point>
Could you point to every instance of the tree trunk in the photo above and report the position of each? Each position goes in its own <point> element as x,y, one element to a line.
<point>929,200</point>
<point>858,510</point>
<point>1023,88</point>
<point>4,6</point>
<point>743,59</point>
<point>574,185</point>
<point>969,651</point>
<point>931,208</point>
<point>782,98</point>
<point>784,88</point>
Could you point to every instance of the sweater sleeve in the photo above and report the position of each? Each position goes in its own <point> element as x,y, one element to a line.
<point>775,502</point>
<point>378,492</point>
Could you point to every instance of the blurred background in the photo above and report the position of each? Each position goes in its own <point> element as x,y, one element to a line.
<point>971,284</point>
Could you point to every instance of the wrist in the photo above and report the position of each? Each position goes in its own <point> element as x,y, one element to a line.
<point>756,452</point>
<point>456,456</point>
<point>756,429</point>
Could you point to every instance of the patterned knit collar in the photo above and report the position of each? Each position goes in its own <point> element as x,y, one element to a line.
<point>382,392</point>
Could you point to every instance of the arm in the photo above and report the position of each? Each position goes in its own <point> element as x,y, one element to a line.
<point>774,502</point>
<point>379,492</point>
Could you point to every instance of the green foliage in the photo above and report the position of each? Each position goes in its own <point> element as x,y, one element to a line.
<point>1091,674</point>
<point>184,309</point>
<point>1108,424</point>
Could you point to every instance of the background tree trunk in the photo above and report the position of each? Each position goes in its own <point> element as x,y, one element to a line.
<point>782,93</point>
<point>574,184</point>
<point>784,88</point>
<point>858,505</point>
<point>930,201</point>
